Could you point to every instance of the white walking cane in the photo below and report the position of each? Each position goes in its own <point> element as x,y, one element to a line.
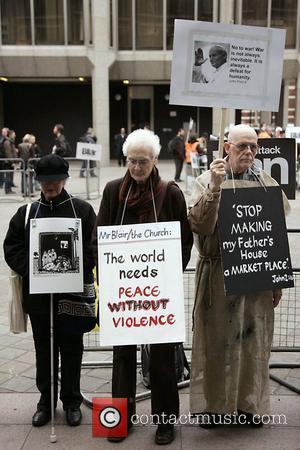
<point>53,435</point>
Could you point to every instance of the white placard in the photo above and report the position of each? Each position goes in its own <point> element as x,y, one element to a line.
<point>55,254</point>
<point>293,132</point>
<point>249,78</point>
<point>141,284</point>
<point>88,151</point>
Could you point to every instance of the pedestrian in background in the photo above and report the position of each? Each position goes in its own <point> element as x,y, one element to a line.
<point>120,138</point>
<point>10,152</point>
<point>61,145</point>
<point>25,152</point>
<point>4,136</point>
<point>90,138</point>
<point>176,147</point>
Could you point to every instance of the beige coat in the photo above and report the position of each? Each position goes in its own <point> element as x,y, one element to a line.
<point>232,335</point>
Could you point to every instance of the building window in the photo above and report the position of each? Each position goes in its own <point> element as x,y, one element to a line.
<point>15,15</point>
<point>205,10</point>
<point>149,24</point>
<point>125,24</point>
<point>255,12</point>
<point>75,22</point>
<point>284,15</point>
<point>49,22</point>
<point>179,9</point>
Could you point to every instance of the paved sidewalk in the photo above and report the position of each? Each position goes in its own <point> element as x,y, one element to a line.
<point>18,394</point>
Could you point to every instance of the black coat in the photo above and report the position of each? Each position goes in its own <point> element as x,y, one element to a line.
<point>16,243</point>
<point>173,209</point>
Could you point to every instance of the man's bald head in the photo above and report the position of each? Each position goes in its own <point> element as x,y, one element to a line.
<point>241,132</point>
<point>241,147</point>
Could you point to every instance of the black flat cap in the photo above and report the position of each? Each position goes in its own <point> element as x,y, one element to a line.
<point>51,168</point>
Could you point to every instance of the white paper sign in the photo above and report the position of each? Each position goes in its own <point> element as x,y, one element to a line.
<point>141,284</point>
<point>293,132</point>
<point>88,151</point>
<point>56,264</point>
<point>228,66</point>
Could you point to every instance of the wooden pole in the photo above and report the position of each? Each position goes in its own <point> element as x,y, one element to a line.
<point>221,133</point>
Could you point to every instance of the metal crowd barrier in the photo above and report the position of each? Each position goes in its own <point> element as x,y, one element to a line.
<point>9,176</point>
<point>286,331</point>
<point>25,185</point>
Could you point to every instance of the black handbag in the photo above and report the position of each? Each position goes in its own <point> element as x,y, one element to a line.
<point>77,312</point>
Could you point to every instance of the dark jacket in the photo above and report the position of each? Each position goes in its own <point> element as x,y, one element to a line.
<point>62,146</point>
<point>173,209</point>
<point>119,141</point>
<point>176,147</point>
<point>25,151</point>
<point>16,243</point>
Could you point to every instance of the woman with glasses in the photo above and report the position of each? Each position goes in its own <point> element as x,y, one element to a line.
<point>232,334</point>
<point>142,197</point>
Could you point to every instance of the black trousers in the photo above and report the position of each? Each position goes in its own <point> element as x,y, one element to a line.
<point>164,391</point>
<point>121,158</point>
<point>70,348</point>
<point>178,168</point>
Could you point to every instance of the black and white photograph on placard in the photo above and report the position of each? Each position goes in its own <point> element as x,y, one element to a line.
<point>226,66</point>
<point>56,255</point>
<point>210,62</point>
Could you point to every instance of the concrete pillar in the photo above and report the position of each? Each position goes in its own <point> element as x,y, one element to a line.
<point>100,76</point>
<point>2,124</point>
<point>227,11</point>
<point>216,120</point>
<point>297,117</point>
<point>286,85</point>
<point>266,117</point>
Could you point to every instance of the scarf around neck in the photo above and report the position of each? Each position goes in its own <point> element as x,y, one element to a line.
<point>140,200</point>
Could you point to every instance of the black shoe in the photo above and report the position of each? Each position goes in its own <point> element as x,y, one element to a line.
<point>116,439</point>
<point>73,416</point>
<point>93,175</point>
<point>250,420</point>
<point>165,434</point>
<point>41,417</point>
<point>81,175</point>
<point>207,420</point>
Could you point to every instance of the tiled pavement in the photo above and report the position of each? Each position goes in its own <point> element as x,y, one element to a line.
<point>18,394</point>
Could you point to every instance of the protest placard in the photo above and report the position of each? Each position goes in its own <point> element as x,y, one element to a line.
<point>55,255</point>
<point>140,284</point>
<point>228,66</point>
<point>85,150</point>
<point>276,156</point>
<point>253,240</point>
<point>293,132</point>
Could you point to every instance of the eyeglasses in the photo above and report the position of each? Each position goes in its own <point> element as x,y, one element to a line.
<point>138,162</point>
<point>243,146</point>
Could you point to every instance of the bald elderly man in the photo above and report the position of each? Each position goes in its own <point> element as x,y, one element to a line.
<point>232,334</point>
